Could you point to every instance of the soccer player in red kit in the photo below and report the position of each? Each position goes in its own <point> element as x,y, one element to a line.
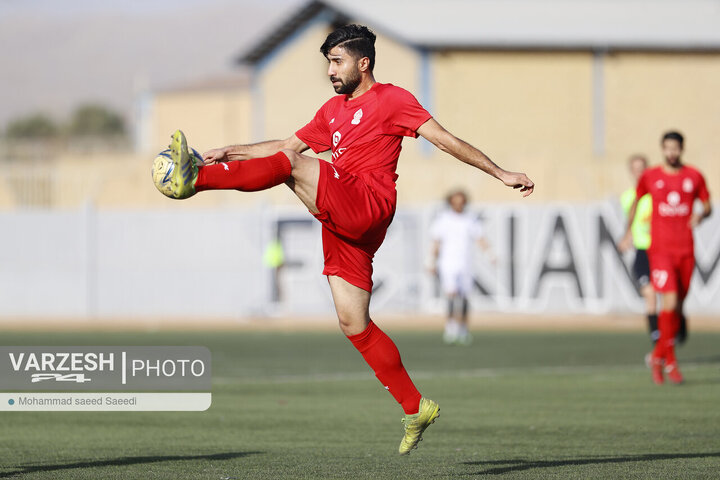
<point>673,187</point>
<point>353,196</point>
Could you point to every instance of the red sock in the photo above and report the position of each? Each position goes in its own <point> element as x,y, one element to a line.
<point>382,355</point>
<point>673,327</point>
<point>245,175</point>
<point>668,324</point>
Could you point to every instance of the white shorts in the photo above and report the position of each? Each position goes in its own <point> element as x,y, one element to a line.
<point>456,282</point>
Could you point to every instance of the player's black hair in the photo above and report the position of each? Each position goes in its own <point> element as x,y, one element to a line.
<point>357,40</point>
<point>673,135</point>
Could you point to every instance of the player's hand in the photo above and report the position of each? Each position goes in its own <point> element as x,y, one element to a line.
<point>518,180</point>
<point>695,220</point>
<point>625,243</point>
<point>216,155</point>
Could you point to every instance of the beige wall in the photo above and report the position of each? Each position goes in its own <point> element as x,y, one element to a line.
<point>527,111</point>
<point>649,93</point>
<point>209,118</point>
<point>292,86</point>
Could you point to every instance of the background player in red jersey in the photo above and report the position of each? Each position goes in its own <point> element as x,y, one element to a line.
<point>674,188</point>
<point>353,197</point>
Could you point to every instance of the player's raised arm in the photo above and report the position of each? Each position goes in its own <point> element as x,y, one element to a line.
<point>254,150</point>
<point>463,151</point>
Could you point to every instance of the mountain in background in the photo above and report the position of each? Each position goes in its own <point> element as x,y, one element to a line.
<point>57,55</point>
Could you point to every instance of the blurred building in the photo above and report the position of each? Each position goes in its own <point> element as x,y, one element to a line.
<point>564,90</point>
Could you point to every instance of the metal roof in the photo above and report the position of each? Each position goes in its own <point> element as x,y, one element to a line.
<point>521,24</point>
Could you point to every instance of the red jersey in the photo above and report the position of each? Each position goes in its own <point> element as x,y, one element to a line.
<point>673,196</point>
<point>365,133</point>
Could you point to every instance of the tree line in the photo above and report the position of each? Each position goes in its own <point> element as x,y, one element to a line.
<point>91,120</point>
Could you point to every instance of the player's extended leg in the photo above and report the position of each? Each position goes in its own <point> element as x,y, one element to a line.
<point>379,351</point>
<point>300,172</point>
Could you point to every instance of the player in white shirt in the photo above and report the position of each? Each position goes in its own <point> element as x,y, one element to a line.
<point>455,233</point>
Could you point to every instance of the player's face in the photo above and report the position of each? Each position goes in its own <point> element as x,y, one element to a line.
<point>457,202</point>
<point>637,167</point>
<point>672,151</point>
<point>343,71</point>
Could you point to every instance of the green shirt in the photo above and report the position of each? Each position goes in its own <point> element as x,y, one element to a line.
<point>641,225</point>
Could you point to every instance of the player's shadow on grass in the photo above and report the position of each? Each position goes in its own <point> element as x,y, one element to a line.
<point>123,461</point>
<point>521,465</point>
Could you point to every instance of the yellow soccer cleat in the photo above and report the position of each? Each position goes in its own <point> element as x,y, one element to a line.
<point>416,424</point>
<point>185,171</point>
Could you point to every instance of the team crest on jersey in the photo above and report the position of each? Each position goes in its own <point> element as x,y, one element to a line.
<point>357,117</point>
<point>336,138</point>
<point>687,185</point>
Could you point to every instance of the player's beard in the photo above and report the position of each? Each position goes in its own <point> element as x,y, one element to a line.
<point>673,162</point>
<point>348,85</point>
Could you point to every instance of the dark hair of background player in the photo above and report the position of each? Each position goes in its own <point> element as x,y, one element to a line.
<point>673,135</point>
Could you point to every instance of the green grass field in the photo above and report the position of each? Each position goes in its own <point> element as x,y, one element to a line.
<point>304,405</point>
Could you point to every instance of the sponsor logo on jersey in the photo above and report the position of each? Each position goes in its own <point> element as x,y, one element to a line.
<point>672,206</point>
<point>687,185</point>
<point>336,138</point>
<point>336,154</point>
<point>356,118</point>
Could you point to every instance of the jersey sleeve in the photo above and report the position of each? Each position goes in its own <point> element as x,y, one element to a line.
<point>316,133</point>
<point>404,113</point>
<point>702,191</point>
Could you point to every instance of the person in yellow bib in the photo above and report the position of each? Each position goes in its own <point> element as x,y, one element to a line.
<point>641,241</point>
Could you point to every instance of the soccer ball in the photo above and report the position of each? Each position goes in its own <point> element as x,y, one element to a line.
<point>163,167</point>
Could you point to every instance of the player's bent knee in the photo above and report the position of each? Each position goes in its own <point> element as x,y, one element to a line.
<point>351,324</point>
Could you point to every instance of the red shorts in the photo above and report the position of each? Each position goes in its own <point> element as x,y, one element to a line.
<point>671,272</point>
<point>354,221</point>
